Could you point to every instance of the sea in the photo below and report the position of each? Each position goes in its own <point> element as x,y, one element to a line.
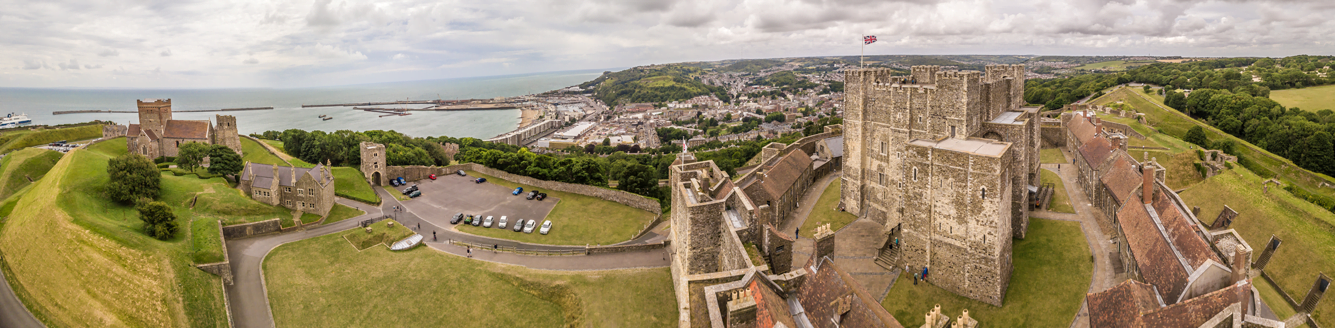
<point>39,104</point>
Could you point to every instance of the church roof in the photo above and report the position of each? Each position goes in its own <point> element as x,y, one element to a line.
<point>186,129</point>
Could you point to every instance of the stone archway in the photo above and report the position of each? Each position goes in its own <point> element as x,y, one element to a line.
<point>375,178</point>
<point>994,136</point>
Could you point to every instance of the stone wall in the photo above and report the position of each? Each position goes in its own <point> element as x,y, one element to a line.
<point>1053,136</point>
<point>251,229</point>
<point>778,249</point>
<point>114,130</point>
<point>221,269</point>
<point>624,248</point>
<point>373,163</point>
<point>1123,128</point>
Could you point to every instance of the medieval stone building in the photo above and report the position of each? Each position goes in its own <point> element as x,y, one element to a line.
<point>158,135</point>
<point>944,160</point>
<point>307,190</point>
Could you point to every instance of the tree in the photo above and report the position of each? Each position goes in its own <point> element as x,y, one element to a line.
<point>159,221</point>
<point>224,161</point>
<point>639,179</point>
<point>1196,135</point>
<point>607,141</point>
<point>1175,100</point>
<point>190,155</point>
<point>133,178</point>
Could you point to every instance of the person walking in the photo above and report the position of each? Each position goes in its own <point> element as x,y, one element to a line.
<point>433,235</point>
<point>470,252</point>
<point>797,232</point>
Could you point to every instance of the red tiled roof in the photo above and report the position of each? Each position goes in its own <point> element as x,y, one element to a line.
<point>1184,233</point>
<point>183,129</point>
<point>1122,178</point>
<point>822,289</point>
<point>1158,265</point>
<point>1122,305</point>
<point>770,308</point>
<point>133,130</point>
<point>1083,129</point>
<point>1195,312</point>
<point>1132,304</point>
<point>783,174</point>
<point>1096,151</point>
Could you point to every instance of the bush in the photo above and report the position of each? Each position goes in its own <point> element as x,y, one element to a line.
<point>1200,167</point>
<point>1320,200</point>
<point>224,161</point>
<point>164,159</point>
<point>1196,135</point>
<point>164,165</point>
<point>133,177</point>
<point>159,221</point>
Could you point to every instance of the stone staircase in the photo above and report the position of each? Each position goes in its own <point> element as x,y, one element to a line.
<point>887,258</point>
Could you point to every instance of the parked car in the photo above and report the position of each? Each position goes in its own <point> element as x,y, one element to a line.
<point>432,176</point>
<point>546,226</point>
<point>487,223</point>
<point>461,173</point>
<point>469,219</point>
<point>415,194</point>
<point>394,182</point>
<point>410,190</point>
<point>502,223</point>
<point>541,196</point>
<point>402,181</point>
<point>517,191</point>
<point>528,227</point>
<point>480,180</point>
<point>532,194</point>
<point>477,221</point>
<point>457,218</point>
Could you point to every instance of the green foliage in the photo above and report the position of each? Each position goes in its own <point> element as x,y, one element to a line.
<point>191,154</point>
<point>340,148</point>
<point>46,136</point>
<point>224,161</point>
<point>637,178</point>
<point>1196,135</point>
<point>133,177</point>
<point>750,65</point>
<point>652,84</point>
<point>1200,168</point>
<point>1176,100</point>
<point>775,117</point>
<point>159,220</point>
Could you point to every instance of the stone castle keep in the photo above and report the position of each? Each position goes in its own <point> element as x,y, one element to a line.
<point>158,135</point>
<point>944,160</point>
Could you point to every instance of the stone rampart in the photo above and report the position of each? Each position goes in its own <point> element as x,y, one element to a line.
<point>1053,136</point>
<point>1123,128</point>
<point>251,229</point>
<point>221,269</point>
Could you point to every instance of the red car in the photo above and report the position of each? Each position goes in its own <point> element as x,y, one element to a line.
<point>433,177</point>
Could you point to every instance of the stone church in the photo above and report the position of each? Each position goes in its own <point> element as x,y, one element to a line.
<point>158,135</point>
<point>945,161</point>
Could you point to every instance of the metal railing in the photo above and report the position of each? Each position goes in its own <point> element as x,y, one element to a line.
<point>512,249</point>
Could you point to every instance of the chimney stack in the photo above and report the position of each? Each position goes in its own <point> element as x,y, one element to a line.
<point>824,241</point>
<point>741,309</point>
<point>1147,186</point>
<point>1240,259</point>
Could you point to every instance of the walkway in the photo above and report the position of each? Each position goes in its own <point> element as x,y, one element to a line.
<point>799,217</point>
<point>248,298</point>
<point>1099,244</point>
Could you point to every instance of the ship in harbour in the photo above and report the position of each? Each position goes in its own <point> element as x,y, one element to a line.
<point>14,120</point>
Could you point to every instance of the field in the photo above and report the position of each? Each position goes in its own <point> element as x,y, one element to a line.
<point>1061,202</point>
<point>255,153</point>
<point>827,211</point>
<point>29,163</point>
<point>1052,272</point>
<point>78,259</point>
<point>1115,65</point>
<point>20,139</point>
<point>1309,99</point>
<point>1052,156</point>
<point>1307,231</point>
<point>576,220</point>
<point>350,183</point>
<point>427,288</point>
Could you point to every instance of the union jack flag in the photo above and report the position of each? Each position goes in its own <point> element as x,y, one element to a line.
<point>868,39</point>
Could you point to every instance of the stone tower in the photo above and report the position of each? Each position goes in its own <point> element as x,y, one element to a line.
<point>373,163</point>
<point>224,133</point>
<point>154,114</point>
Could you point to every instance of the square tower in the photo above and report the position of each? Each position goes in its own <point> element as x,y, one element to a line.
<point>224,133</point>
<point>154,114</point>
<point>373,162</point>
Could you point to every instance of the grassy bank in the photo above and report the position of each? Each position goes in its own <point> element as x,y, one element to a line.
<point>255,153</point>
<point>350,183</point>
<point>20,168</point>
<point>827,211</point>
<point>1052,272</point>
<point>15,140</point>
<point>1307,230</point>
<point>427,288</point>
<point>576,220</point>
<point>1061,202</point>
<point>1052,156</point>
<point>340,213</point>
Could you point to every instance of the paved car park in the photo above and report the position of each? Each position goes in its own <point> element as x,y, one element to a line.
<point>450,194</point>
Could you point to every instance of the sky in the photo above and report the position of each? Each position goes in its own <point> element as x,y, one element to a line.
<point>244,44</point>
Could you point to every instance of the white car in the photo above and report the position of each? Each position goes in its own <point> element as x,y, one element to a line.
<point>487,223</point>
<point>502,223</point>
<point>528,228</point>
<point>546,226</point>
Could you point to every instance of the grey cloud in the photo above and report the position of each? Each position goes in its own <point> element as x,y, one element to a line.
<point>86,66</point>
<point>321,15</point>
<point>31,64</point>
<point>165,53</point>
<point>250,61</point>
<point>108,53</point>
<point>68,66</point>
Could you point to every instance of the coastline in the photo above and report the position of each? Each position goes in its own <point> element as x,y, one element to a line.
<point>527,116</point>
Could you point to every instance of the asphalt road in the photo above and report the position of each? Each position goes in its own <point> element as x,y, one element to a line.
<point>12,311</point>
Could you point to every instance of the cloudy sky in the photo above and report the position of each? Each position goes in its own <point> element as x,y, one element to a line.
<point>241,43</point>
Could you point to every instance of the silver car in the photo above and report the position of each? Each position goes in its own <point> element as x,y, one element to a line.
<point>487,223</point>
<point>519,225</point>
<point>546,226</point>
<point>528,228</point>
<point>501,224</point>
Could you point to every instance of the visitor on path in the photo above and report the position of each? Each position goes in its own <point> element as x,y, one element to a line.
<point>796,232</point>
<point>495,247</point>
<point>419,226</point>
<point>924,273</point>
<point>915,278</point>
<point>470,252</point>
<point>433,235</point>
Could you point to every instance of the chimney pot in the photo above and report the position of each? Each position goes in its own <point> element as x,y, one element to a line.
<point>1147,186</point>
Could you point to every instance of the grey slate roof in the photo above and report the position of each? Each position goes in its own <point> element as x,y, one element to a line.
<point>835,145</point>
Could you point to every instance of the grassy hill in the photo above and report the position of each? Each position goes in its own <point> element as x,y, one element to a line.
<point>19,139</point>
<point>77,259</point>
<point>20,166</point>
<point>1309,99</point>
<point>651,84</point>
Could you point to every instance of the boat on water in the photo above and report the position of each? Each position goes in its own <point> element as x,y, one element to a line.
<point>326,118</point>
<point>14,120</point>
<point>323,116</point>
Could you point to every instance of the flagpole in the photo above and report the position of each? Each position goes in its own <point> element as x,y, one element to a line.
<point>862,56</point>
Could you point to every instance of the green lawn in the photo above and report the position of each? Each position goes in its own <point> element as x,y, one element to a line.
<point>350,183</point>
<point>576,220</point>
<point>1051,276</point>
<point>1273,299</point>
<point>308,218</point>
<point>392,192</point>
<point>78,259</point>
<point>1310,99</point>
<point>1052,156</point>
<point>382,233</point>
<point>340,212</point>
<point>15,140</point>
<point>24,164</point>
<point>255,153</point>
<point>1307,230</point>
<point>827,211</point>
<point>426,288</point>
<point>1061,202</point>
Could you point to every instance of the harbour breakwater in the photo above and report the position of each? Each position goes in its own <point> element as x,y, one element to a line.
<point>62,112</point>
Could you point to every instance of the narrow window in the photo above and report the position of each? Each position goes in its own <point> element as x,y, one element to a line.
<point>915,174</point>
<point>952,131</point>
<point>983,193</point>
<point>881,179</point>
